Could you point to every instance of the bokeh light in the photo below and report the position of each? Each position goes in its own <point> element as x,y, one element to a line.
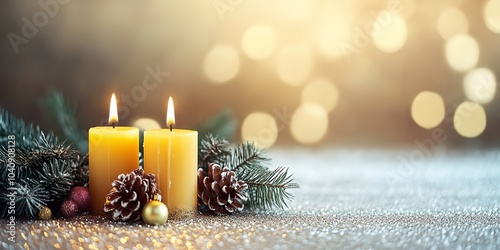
<point>427,109</point>
<point>321,92</point>
<point>452,22</point>
<point>146,123</point>
<point>390,34</point>
<point>259,42</point>
<point>462,52</point>
<point>294,64</point>
<point>221,64</point>
<point>309,123</point>
<point>491,14</point>
<point>261,128</point>
<point>480,85</point>
<point>469,119</point>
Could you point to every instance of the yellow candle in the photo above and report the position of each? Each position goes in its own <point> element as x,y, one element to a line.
<point>112,151</point>
<point>172,155</point>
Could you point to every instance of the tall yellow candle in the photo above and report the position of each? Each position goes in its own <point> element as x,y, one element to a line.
<point>112,150</point>
<point>172,155</point>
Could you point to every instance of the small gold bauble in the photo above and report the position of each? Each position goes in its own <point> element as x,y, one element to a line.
<point>155,213</point>
<point>45,213</point>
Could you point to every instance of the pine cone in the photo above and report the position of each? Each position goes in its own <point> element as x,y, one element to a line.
<point>220,190</point>
<point>129,195</point>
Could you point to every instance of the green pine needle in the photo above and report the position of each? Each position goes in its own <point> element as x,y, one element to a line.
<point>245,157</point>
<point>268,188</point>
<point>45,169</point>
<point>30,196</point>
<point>57,177</point>
<point>212,150</point>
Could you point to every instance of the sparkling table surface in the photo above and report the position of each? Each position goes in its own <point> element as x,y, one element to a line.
<point>349,199</point>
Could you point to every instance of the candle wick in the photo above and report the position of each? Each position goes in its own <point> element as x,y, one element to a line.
<point>171,125</point>
<point>113,124</point>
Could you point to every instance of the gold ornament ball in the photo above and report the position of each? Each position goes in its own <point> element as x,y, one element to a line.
<point>155,213</point>
<point>45,213</point>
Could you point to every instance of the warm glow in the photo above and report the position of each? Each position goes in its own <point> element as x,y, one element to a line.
<point>408,8</point>
<point>322,92</point>
<point>221,64</point>
<point>491,14</point>
<point>146,123</point>
<point>331,32</point>
<point>452,22</point>
<point>391,34</point>
<point>259,42</point>
<point>469,119</point>
<point>113,111</point>
<point>480,85</point>
<point>428,109</point>
<point>462,52</point>
<point>330,37</point>
<point>309,123</point>
<point>170,113</point>
<point>296,9</point>
<point>294,64</point>
<point>261,128</point>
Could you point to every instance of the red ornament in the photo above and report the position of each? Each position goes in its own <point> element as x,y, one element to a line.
<point>81,196</point>
<point>69,208</point>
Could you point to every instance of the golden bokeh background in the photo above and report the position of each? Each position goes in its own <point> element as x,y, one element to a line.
<point>298,72</point>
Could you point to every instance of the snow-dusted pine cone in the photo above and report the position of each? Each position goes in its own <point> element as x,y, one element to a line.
<point>220,190</point>
<point>129,195</point>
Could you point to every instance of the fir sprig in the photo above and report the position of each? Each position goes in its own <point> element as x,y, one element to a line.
<point>268,188</point>
<point>30,195</point>
<point>45,168</point>
<point>211,150</point>
<point>245,157</point>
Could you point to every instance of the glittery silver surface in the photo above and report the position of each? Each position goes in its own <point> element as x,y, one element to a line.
<point>349,199</point>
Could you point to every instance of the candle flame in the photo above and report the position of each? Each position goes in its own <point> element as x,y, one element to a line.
<point>113,112</point>
<point>170,113</point>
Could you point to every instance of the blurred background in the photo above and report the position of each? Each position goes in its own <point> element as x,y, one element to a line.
<point>294,72</point>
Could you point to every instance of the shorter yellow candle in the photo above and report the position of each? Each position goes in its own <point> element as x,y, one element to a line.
<point>172,155</point>
<point>112,151</point>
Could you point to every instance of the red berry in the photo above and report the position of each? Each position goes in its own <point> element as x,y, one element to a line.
<point>81,196</point>
<point>69,208</point>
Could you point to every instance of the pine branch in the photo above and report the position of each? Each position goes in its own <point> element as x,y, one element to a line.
<point>268,188</point>
<point>82,171</point>
<point>57,177</point>
<point>64,116</point>
<point>245,157</point>
<point>27,135</point>
<point>212,150</point>
<point>30,196</point>
<point>45,169</point>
